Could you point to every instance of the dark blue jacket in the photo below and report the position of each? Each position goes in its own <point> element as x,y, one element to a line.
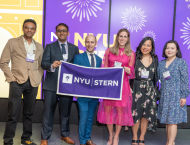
<point>53,53</point>
<point>82,59</point>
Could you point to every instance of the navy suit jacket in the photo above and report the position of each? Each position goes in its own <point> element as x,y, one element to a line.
<point>53,53</point>
<point>82,59</point>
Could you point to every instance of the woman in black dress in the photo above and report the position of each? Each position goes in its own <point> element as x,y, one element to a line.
<point>144,108</point>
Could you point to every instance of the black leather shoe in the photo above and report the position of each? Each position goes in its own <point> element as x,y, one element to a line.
<point>27,142</point>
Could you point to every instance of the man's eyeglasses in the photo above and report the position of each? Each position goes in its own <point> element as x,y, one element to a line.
<point>64,31</point>
<point>31,28</point>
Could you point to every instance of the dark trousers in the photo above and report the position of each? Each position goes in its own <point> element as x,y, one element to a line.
<point>15,94</point>
<point>65,102</point>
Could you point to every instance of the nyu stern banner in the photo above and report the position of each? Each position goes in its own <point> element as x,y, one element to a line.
<point>80,81</point>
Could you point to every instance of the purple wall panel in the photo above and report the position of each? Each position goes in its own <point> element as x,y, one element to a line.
<point>182,30</point>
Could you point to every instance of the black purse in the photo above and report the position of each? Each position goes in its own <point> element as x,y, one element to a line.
<point>158,94</point>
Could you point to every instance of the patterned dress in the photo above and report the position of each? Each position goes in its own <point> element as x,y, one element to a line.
<point>172,90</point>
<point>144,99</point>
<point>118,111</point>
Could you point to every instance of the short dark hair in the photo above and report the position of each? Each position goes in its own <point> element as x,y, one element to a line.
<point>178,54</point>
<point>139,54</point>
<point>30,20</point>
<point>63,24</point>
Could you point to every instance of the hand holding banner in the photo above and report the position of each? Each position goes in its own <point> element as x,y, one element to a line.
<point>80,81</point>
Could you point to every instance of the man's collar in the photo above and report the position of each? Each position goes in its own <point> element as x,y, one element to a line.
<point>88,53</point>
<point>62,43</point>
<point>26,40</point>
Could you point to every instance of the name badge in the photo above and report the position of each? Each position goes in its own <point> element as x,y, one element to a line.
<point>117,64</point>
<point>65,57</point>
<point>166,75</point>
<point>30,57</point>
<point>144,74</point>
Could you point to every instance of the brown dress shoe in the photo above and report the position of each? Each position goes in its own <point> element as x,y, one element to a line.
<point>44,142</point>
<point>68,140</point>
<point>89,142</point>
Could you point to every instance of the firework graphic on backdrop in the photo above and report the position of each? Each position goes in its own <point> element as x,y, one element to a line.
<point>186,33</point>
<point>150,34</point>
<point>188,6</point>
<point>83,8</point>
<point>133,19</point>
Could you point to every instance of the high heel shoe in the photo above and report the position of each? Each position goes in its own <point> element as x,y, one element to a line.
<point>141,141</point>
<point>135,141</point>
<point>174,143</point>
<point>112,138</point>
<point>117,139</point>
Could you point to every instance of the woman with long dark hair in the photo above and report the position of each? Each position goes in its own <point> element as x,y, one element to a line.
<point>144,107</point>
<point>119,111</point>
<point>174,77</point>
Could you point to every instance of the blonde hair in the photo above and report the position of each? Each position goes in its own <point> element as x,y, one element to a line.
<point>127,49</point>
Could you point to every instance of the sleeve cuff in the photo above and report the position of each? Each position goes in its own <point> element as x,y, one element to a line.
<point>52,69</point>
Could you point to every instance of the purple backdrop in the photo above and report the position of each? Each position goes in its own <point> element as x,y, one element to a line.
<point>82,17</point>
<point>144,18</point>
<point>141,17</point>
<point>182,30</point>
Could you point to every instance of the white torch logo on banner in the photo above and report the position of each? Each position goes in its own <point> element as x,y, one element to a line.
<point>67,78</point>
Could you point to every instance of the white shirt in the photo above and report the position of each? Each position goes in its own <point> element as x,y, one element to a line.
<point>30,48</point>
<point>65,56</point>
<point>89,57</point>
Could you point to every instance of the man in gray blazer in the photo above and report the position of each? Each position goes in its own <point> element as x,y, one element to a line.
<point>53,53</point>
<point>24,77</point>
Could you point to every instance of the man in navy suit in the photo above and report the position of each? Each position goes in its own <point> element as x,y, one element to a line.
<point>53,53</point>
<point>87,106</point>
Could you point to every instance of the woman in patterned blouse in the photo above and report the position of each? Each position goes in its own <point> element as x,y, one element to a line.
<point>173,74</point>
<point>144,108</point>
